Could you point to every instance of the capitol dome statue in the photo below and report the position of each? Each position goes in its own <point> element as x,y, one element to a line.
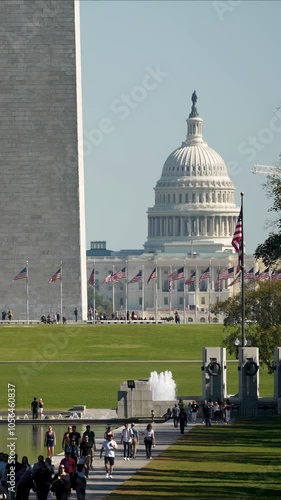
<point>194,210</point>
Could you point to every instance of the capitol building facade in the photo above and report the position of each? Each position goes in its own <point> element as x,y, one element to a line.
<point>188,247</point>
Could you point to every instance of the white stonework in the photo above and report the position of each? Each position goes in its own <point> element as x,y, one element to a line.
<point>194,199</point>
<point>42,180</point>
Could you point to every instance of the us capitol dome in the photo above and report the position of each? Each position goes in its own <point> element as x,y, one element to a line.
<point>194,210</point>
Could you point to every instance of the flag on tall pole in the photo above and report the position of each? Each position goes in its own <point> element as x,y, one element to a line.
<point>238,245</point>
<point>230,272</point>
<point>177,275</point>
<point>56,276</point>
<point>223,275</point>
<point>191,279</point>
<point>238,233</point>
<point>237,280</point>
<point>250,275</point>
<point>108,278</point>
<point>205,275</point>
<point>136,278</point>
<point>91,280</point>
<point>22,275</point>
<point>152,275</point>
<point>264,275</point>
<point>119,275</point>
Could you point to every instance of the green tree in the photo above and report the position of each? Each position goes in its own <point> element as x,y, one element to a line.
<point>270,251</point>
<point>103,306</point>
<point>262,319</point>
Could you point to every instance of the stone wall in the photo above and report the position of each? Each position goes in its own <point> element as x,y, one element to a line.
<point>42,178</point>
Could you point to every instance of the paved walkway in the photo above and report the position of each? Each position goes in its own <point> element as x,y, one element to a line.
<point>98,486</point>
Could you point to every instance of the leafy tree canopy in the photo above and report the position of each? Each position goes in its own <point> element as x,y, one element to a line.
<point>262,319</point>
<point>270,251</point>
<point>103,305</point>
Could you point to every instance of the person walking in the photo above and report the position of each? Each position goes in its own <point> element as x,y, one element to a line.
<point>34,408</point>
<point>135,441</point>
<point>92,443</point>
<point>194,411</point>
<point>207,413</point>
<point>126,440</point>
<point>76,314</point>
<point>109,446</point>
<point>176,413</point>
<point>85,453</point>
<point>61,484</point>
<point>66,439</point>
<point>50,442</point>
<point>182,420</point>
<point>149,440</point>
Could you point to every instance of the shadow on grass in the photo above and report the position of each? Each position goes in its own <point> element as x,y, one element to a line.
<point>224,456</point>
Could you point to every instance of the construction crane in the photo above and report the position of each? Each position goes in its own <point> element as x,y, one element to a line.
<point>266,169</point>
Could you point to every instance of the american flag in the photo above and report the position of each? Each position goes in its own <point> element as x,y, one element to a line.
<point>91,280</point>
<point>119,275</point>
<point>223,275</point>
<point>152,276</point>
<point>136,278</point>
<point>250,275</point>
<point>263,275</point>
<point>276,275</point>
<point>21,276</point>
<point>230,272</point>
<point>257,275</point>
<point>57,276</point>
<point>237,280</point>
<point>191,279</point>
<point>238,234</point>
<point>177,275</point>
<point>205,275</point>
<point>108,278</point>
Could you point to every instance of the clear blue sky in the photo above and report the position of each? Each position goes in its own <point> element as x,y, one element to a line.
<point>229,53</point>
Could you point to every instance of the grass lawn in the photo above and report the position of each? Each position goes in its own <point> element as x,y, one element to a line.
<point>138,347</point>
<point>241,461</point>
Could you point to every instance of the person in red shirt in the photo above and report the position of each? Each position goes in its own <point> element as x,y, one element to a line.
<point>69,467</point>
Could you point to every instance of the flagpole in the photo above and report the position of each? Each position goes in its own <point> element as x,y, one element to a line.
<point>219,283</point>
<point>61,315</point>
<point>170,288</point>
<point>242,274</point>
<point>113,294</point>
<point>156,284</point>
<point>196,283</point>
<point>184,300</point>
<point>142,274</point>
<point>27,294</point>
<point>126,293</point>
<point>94,296</point>
<point>209,315</point>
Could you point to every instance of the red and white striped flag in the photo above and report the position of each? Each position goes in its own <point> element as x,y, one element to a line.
<point>264,275</point>
<point>205,275</point>
<point>191,279</point>
<point>136,278</point>
<point>152,276</point>
<point>21,276</point>
<point>56,276</point>
<point>238,234</point>
<point>119,275</point>
<point>177,275</point>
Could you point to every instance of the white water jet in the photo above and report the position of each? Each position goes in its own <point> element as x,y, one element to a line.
<point>163,386</point>
<point>26,417</point>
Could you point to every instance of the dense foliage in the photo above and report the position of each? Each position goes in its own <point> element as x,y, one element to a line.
<point>263,319</point>
<point>270,251</point>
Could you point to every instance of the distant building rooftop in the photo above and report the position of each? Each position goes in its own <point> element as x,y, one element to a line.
<point>98,249</point>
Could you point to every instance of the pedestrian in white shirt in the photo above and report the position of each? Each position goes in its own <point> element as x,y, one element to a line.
<point>109,446</point>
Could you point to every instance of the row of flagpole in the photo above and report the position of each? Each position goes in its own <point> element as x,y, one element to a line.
<point>23,274</point>
<point>114,277</point>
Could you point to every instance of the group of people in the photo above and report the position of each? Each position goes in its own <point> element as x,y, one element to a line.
<point>42,478</point>
<point>37,408</point>
<point>130,440</point>
<point>211,411</point>
<point>7,315</point>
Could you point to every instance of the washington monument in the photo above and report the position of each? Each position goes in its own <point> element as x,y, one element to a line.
<point>42,218</point>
